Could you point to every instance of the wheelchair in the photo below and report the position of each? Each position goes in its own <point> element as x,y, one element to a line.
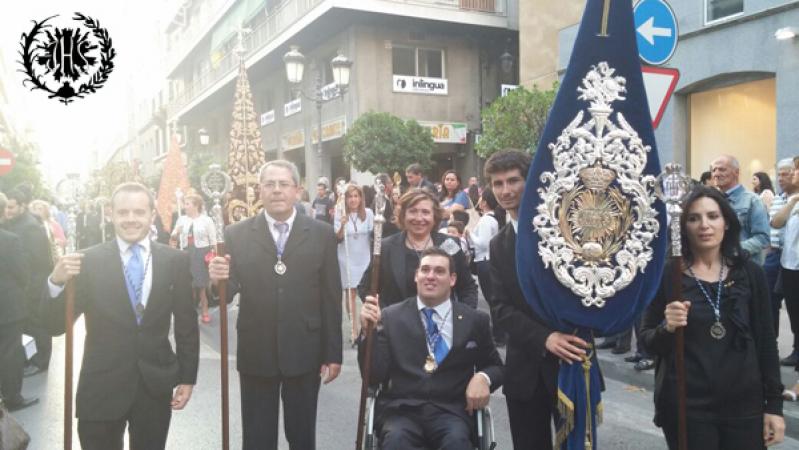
<point>484,426</point>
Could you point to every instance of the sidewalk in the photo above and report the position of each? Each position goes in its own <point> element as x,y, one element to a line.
<point>615,368</point>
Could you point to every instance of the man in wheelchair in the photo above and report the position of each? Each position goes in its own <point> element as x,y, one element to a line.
<point>435,359</point>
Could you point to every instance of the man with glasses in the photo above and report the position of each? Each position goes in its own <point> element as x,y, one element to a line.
<point>285,266</point>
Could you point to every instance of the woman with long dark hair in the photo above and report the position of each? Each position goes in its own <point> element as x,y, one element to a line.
<point>452,198</point>
<point>762,186</point>
<point>732,372</point>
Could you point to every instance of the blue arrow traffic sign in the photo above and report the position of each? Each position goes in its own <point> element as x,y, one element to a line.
<point>656,31</point>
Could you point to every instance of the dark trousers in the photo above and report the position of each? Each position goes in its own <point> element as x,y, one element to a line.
<point>729,434</point>
<point>260,409</point>
<point>790,289</point>
<point>531,420</point>
<point>12,361</point>
<point>43,339</point>
<point>147,423</point>
<point>772,268</point>
<point>624,339</point>
<point>422,427</point>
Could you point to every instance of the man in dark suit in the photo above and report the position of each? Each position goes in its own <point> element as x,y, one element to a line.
<point>13,281</point>
<point>427,352</point>
<point>533,347</point>
<point>285,267</point>
<point>416,178</point>
<point>130,290</point>
<point>36,254</point>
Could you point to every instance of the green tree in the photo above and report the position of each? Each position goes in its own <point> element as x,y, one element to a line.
<point>381,142</point>
<point>199,157</point>
<point>516,120</point>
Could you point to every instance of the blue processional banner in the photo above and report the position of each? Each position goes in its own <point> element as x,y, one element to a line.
<point>592,234</point>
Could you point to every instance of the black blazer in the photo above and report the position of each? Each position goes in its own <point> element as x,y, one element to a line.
<point>118,352</point>
<point>400,350</point>
<point>288,324</point>
<point>13,279</point>
<point>35,252</point>
<point>527,359</point>
<point>393,287</point>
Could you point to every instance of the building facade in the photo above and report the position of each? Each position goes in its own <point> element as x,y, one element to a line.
<point>433,61</point>
<point>737,89</point>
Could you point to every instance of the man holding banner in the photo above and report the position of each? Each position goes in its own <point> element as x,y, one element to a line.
<point>533,347</point>
<point>591,240</point>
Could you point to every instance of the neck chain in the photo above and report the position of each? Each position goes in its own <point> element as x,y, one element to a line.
<point>717,330</point>
<point>414,248</point>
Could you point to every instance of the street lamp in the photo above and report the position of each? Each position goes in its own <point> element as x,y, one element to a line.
<point>295,67</point>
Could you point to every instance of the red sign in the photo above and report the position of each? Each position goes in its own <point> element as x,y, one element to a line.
<point>6,161</point>
<point>659,83</point>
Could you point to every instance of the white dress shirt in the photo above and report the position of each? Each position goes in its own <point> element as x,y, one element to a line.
<point>270,221</point>
<point>125,254</point>
<point>445,329</point>
<point>515,223</point>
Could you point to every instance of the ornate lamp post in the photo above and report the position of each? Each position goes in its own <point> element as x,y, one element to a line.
<point>295,69</point>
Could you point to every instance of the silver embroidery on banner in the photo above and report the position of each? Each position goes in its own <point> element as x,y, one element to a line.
<point>596,221</point>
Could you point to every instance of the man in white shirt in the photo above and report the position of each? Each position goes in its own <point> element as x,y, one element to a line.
<point>131,290</point>
<point>436,358</point>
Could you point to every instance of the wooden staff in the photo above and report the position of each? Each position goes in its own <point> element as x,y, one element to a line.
<point>223,333</point>
<point>672,187</point>
<point>69,314</point>
<point>380,206</point>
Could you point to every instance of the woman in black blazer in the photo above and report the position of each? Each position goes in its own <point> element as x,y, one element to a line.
<point>417,214</point>
<point>731,363</point>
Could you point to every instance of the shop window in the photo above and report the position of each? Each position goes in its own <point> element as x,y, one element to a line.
<point>721,9</point>
<point>421,62</point>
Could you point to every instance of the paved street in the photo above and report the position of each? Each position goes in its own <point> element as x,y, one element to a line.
<point>627,401</point>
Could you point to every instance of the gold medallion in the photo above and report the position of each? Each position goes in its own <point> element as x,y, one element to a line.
<point>430,365</point>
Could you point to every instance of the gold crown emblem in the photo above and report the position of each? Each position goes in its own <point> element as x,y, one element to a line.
<point>597,178</point>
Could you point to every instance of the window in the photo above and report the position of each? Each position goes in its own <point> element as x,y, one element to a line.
<point>420,62</point>
<point>722,9</point>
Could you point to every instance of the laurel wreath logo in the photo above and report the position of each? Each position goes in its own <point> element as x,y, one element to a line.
<point>32,46</point>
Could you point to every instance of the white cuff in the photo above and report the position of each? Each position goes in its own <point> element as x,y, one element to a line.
<point>55,290</point>
<point>486,377</point>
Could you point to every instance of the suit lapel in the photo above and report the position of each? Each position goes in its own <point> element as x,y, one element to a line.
<point>262,235</point>
<point>397,264</point>
<point>116,282</point>
<point>460,325</point>
<point>416,327</point>
<point>298,234</point>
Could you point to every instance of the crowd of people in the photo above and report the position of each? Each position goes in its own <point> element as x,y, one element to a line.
<point>297,266</point>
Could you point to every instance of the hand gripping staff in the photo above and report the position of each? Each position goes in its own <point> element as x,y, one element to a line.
<point>215,184</point>
<point>380,207</point>
<point>672,187</point>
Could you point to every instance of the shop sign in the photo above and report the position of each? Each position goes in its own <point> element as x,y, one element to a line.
<point>293,139</point>
<point>333,129</point>
<point>420,85</point>
<point>292,107</point>
<point>447,132</point>
<point>267,118</point>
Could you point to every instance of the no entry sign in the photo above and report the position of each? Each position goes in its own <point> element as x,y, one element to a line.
<point>6,161</point>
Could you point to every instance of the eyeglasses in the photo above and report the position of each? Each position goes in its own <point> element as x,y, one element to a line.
<point>274,185</point>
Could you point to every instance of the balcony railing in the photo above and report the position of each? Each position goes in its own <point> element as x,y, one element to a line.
<point>285,15</point>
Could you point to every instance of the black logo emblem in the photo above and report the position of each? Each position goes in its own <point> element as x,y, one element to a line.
<point>67,63</point>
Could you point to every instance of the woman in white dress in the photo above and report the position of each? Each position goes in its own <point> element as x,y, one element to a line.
<point>357,221</point>
<point>197,235</point>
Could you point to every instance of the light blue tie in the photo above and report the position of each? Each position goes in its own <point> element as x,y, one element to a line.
<point>134,275</point>
<point>282,230</point>
<point>434,337</point>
